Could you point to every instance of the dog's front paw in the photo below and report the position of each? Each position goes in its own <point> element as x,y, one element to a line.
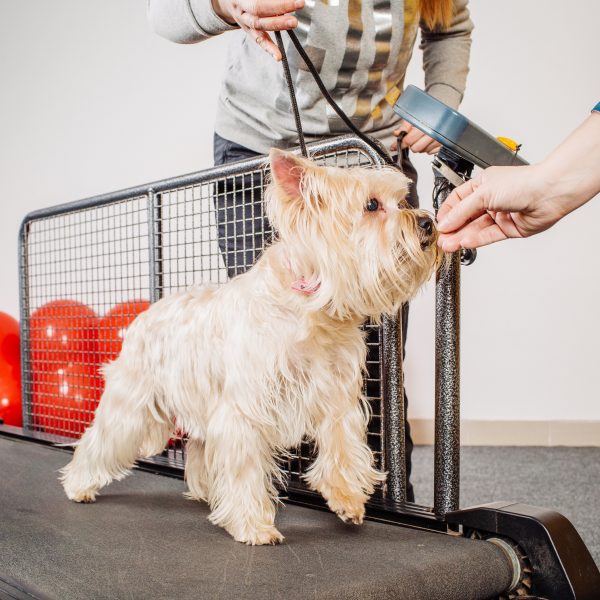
<point>260,537</point>
<point>347,507</point>
<point>354,515</point>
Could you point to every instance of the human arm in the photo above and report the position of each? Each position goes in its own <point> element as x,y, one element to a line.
<point>446,55</point>
<point>192,21</point>
<point>515,202</point>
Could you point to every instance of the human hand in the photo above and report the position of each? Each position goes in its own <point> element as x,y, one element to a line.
<point>500,203</point>
<point>415,139</point>
<point>256,17</point>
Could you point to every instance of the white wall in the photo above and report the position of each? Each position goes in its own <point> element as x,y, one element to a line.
<point>91,101</point>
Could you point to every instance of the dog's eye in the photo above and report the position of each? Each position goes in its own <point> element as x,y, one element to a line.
<point>372,205</point>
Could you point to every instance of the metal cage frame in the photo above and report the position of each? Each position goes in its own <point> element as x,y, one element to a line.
<point>346,150</point>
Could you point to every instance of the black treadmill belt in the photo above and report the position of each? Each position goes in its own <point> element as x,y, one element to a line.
<point>143,540</point>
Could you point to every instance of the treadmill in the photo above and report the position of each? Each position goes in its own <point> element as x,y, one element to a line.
<point>142,539</point>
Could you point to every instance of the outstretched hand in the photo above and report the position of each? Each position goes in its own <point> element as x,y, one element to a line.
<point>257,17</point>
<point>500,203</point>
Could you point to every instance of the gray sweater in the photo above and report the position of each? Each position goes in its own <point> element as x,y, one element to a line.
<point>361,49</point>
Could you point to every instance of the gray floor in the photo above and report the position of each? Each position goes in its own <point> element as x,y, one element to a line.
<point>565,479</point>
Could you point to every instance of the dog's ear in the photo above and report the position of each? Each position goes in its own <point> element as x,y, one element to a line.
<point>287,171</point>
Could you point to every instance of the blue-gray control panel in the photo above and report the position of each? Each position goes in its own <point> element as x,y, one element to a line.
<point>453,130</point>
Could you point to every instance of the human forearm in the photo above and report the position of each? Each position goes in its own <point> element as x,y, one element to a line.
<point>191,21</point>
<point>510,202</point>
<point>570,175</point>
<point>221,8</point>
<point>186,22</point>
<point>446,56</point>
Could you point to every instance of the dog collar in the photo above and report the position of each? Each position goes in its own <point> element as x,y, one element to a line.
<point>302,286</point>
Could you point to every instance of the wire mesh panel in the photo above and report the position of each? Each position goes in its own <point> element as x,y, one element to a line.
<point>88,268</point>
<point>86,277</point>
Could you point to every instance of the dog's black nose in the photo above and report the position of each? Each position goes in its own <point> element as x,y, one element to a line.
<point>426,224</point>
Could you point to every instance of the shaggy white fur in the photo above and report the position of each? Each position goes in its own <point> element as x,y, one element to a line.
<point>250,368</point>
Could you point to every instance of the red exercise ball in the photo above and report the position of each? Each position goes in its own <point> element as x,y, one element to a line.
<point>10,351</point>
<point>61,332</point>
<point>10,399</point>
<point>64,400</point>
<point>10,371</point>
<point>114,324</point>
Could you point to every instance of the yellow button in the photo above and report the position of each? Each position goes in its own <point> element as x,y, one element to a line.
<point>510,144</point>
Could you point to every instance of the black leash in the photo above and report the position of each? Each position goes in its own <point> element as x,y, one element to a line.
<point>313,71</point>
<point>290,85</point>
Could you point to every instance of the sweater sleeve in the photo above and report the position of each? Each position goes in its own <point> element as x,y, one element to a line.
<point>185,21</point>
<point>446,56</point>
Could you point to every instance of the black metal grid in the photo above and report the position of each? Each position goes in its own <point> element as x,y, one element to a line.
<point>119,251</point>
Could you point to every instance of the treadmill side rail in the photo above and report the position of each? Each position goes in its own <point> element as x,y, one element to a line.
<point>563,568</point>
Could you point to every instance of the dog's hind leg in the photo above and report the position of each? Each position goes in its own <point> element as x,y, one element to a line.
<point>240,469</point>
<point>124,428</point>
<point>195,470</point>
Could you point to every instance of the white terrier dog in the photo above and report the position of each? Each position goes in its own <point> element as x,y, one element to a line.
<point>251,368</point>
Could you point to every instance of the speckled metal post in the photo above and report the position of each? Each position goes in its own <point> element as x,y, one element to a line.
<point>393,397</point>
<point>447,357</point>
<point>447,388</point>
